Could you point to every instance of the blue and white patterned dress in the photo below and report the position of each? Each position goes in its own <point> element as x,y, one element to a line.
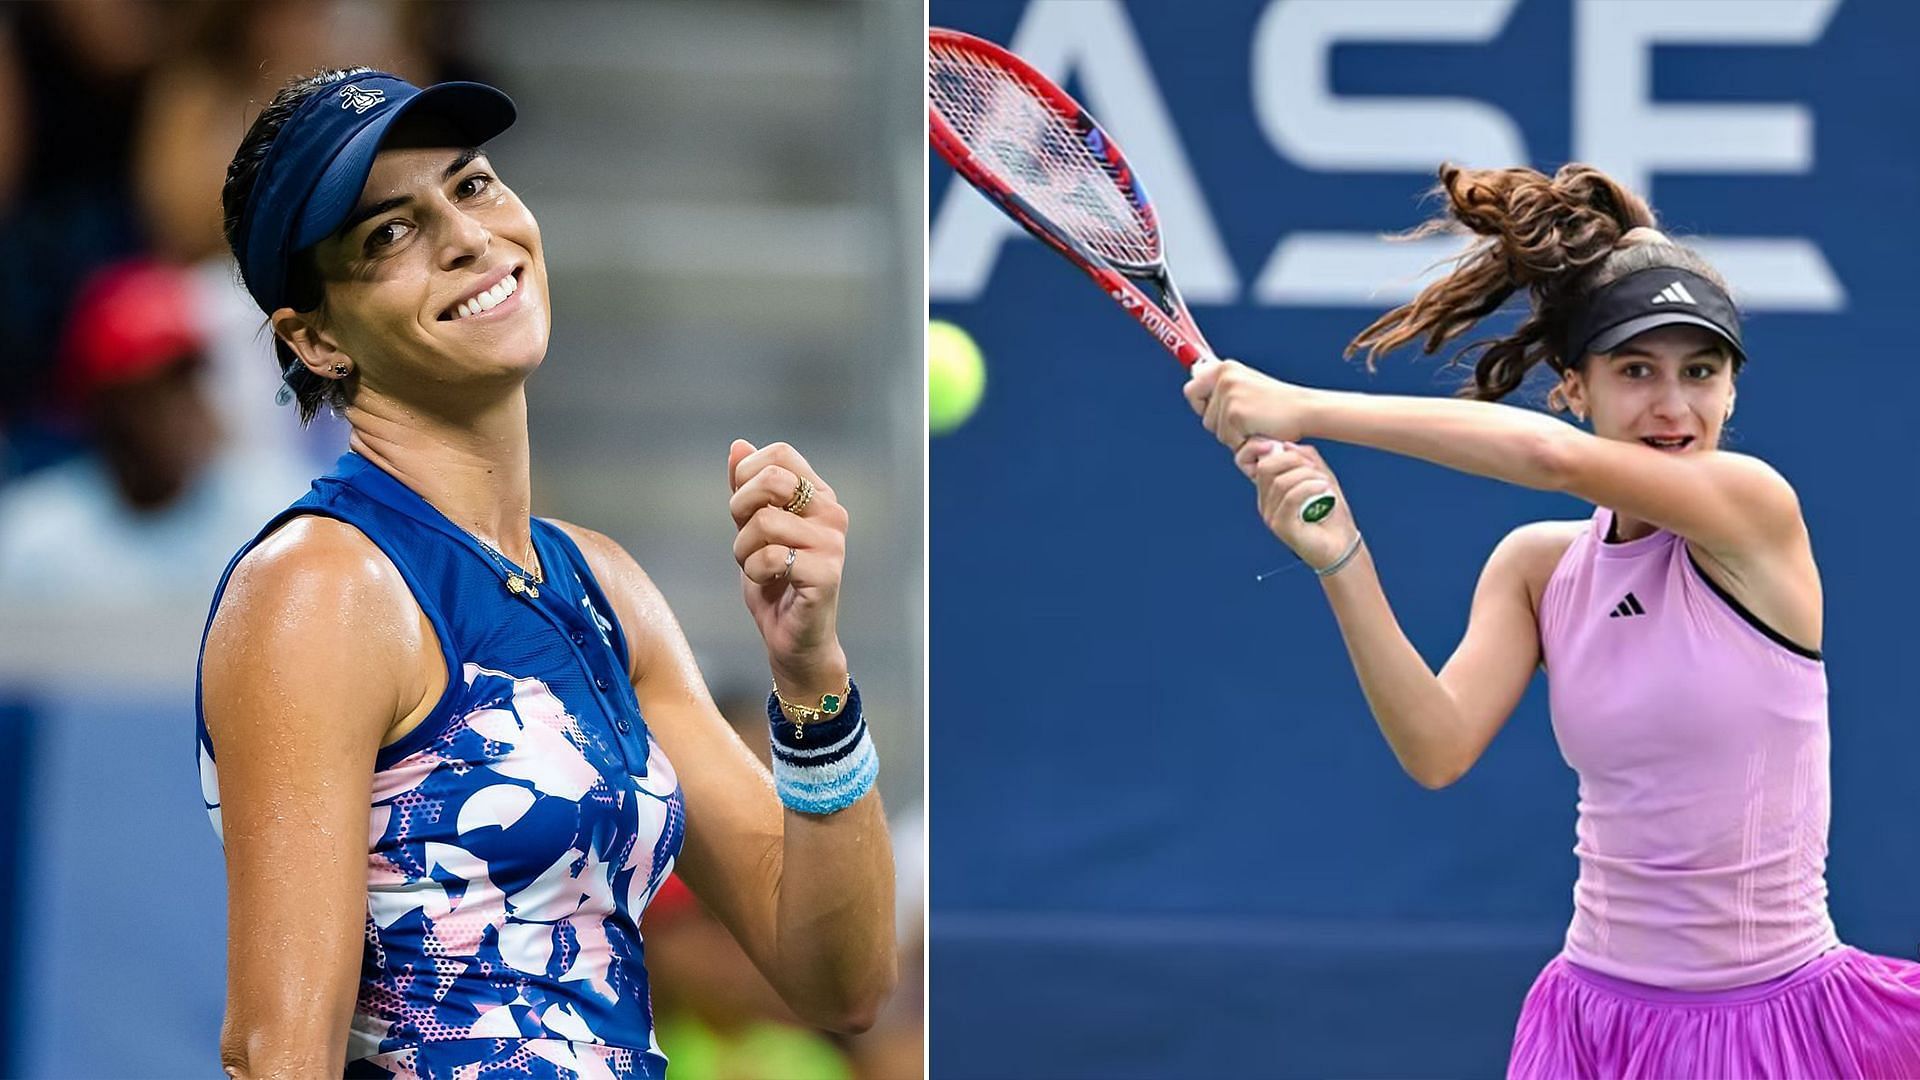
<point>518,832</point>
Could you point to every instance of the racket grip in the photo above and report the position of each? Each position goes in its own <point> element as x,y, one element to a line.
<point>1317,508</point>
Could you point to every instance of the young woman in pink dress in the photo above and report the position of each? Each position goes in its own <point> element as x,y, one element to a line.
<point>1679,626</point>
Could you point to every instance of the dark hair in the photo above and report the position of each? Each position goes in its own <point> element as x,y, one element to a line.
<point>1560,238</point>
<point>303,276</point>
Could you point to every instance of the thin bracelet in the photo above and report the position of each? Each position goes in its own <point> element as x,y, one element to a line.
<point>1346,557</point>
<point>832,768</point>
<point>829,707</point>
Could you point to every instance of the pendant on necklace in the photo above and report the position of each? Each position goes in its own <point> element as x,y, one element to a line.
<point>517,585</point>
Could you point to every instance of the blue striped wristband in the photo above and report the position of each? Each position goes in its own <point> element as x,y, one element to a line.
<point>832,767</point>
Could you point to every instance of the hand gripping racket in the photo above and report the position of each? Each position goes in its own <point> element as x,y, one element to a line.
<point>1038,156</point>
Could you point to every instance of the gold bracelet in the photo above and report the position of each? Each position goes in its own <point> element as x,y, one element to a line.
<point>828,708</point>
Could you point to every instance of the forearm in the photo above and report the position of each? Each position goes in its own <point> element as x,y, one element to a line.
<point>833,915</point>
<point>833,905</point>
<point>1485,438</point>
<point>1415,712</point>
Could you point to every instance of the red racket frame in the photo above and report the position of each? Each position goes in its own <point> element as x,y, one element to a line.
<point>1162,313</point>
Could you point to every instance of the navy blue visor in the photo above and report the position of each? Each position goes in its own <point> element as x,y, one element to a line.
<point>320,158</point>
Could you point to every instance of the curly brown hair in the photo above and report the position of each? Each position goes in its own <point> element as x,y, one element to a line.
<point>1560,238</point>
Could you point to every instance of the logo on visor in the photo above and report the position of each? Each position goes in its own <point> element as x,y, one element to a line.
<point>1675,293</point>
<point>360,99</point>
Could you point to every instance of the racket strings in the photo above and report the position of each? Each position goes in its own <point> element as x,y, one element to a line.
<point>1041,155</point>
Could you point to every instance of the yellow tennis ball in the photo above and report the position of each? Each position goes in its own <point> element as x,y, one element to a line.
<point>956,376</point>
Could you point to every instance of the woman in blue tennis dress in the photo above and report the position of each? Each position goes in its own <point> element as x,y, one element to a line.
<point>453,750</point>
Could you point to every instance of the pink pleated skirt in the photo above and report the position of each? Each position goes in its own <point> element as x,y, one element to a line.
<point>1844,1014</point>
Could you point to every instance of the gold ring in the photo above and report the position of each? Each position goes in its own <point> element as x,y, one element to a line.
<point>801,497</point>
<point>788,572</point>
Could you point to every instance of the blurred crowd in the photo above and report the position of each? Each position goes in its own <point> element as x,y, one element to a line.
<point>141,442</point>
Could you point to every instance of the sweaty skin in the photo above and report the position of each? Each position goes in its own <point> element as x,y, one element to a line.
<point>319,654</point>
<point>1739,516</point>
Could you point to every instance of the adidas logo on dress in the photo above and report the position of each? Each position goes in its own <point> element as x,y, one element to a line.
<point>1629,606</point>
<point>1675,293</point>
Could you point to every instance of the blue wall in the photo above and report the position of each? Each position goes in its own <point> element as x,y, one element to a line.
<point>1168,840</point>
<point>118,961</point>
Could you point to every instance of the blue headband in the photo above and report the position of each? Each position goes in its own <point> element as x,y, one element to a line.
<point>319,160</point>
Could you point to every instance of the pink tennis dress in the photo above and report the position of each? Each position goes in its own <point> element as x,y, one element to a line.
<point>1700,944</point>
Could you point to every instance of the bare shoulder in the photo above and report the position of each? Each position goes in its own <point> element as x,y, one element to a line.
<point>1753,471</point>
<point>312,601</point>
<point>644,615</point>
<point>618,571</point>
<point>1776,523</point>
<point>1530,554</point>
<point>602,553</point>
<point>659,661</point>
<point>1755,482</point>
<point>316,564</point>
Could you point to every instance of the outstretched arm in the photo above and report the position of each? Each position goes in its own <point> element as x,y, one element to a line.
<point>1727,503</point>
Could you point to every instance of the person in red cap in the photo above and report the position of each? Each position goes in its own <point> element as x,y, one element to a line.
<point>132,357</point>
<point>145,516</point>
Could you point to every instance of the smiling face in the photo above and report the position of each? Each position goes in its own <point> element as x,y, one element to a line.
<point>1669,388</point>
<point>437,279</point>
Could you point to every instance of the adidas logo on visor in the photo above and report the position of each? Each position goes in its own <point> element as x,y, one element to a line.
<point>359,99</point>
<point>1675,293</point>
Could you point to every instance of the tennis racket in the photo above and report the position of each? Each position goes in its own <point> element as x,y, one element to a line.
<point>1035,153</point>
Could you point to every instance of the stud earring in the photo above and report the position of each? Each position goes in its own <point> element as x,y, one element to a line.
<point>340,369</point>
